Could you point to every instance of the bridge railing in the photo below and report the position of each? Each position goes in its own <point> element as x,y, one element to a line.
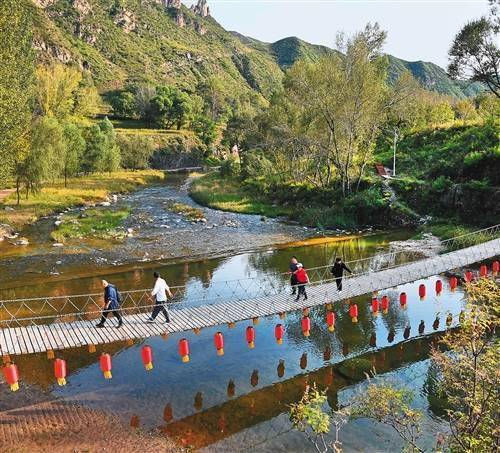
<point>46,310</point>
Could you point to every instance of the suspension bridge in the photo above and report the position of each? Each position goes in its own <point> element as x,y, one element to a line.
<point>47,324</point>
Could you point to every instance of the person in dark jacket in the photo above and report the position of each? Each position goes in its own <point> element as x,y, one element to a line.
<point>293,278</point>
<point>337,271</point>
<point>111,304</point>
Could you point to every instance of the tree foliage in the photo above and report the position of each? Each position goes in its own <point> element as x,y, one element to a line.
<point>469,372</point>
<point>475,54</point>
<point>135,151</point>
<point>16,84</point>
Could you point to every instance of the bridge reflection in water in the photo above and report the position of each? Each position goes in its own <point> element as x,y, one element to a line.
<point>237,414</point>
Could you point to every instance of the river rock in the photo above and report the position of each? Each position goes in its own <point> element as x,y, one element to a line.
<point>6,231</point>
<point>114,197</point>
<point>105,203</point>
<point>8,208</point>
<point>58,244</point>
<point>57,222</point>
<point>22,241</point>
<point>130,230</point>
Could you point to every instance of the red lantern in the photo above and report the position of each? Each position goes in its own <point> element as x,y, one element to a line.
<point>439,287</point>
<point>219,343</point>
<point>468,276</point>
<point>306,326</point>
<point>11,376</point>
<point>184,350</point>
<point>147,357</point>
<point>375,305</point>
<point>105,363</point>
<point>330,320</point>
<point>495,267</point>
<point>483,271</point>
<point>453,283</point>
<point>279,331</point>
<point>403,299</point>
<point>421,291</point>
<point>353,312</point>
<point>60,371</point>
<point>385,304</point>
<point>250,337</point>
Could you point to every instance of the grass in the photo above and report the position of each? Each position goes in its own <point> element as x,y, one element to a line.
<point>80,191</point>
<point>227,194</point>
<point>98,223</point>
<point>187,211</point>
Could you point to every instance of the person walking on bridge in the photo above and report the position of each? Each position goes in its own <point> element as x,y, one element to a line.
<point>337,271</point>
<point>112,301</point>
<point>293,277</point>
<point>160,292</point>
<point>302,281</point>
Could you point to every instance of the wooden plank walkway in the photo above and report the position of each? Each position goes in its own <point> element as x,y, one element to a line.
<point>40,338</point>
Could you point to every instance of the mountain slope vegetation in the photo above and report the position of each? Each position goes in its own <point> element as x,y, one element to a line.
<point>143,41</point>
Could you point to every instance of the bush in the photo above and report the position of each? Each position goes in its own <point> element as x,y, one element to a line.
<point>230,168</point>
<point>136,151</point>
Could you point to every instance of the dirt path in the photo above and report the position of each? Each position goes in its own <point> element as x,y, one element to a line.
<point>59,426</point>
<point>4,193</point>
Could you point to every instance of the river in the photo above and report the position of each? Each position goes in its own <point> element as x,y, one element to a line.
<point>238,401</point>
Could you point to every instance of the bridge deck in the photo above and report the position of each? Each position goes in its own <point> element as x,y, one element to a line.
<point>40,338</point>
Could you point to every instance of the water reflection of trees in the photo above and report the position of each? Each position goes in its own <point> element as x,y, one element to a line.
<point>237,414</point>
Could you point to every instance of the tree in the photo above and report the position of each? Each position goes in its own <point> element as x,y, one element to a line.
<point>475,54</point>
<point>144,94</point>
<point>135,151</point>
<point>392,407</point>
<point>308,416</point>
<point>205,128</point>
<point>465,110</point>
<point>87,101</point>
<point>45,158</point>
<point>212,92</point>
<point>171,106</point>
<point>95,150</point>
<point>124,104</point>
<point>75,147</point>
<point>469,372</point>
<point>16,84</point>
<point>111,157</point>
<point>56,88</point>
<point>341,102</point>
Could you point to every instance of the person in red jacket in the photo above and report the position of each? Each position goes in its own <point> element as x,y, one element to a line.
<point>302,280</point>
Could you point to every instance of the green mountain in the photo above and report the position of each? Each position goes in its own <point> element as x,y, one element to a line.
<point>163,41</point>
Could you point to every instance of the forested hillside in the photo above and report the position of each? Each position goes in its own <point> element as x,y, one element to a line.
<point>125,42</point>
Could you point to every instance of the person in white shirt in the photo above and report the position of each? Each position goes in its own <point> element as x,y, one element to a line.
<point>160,292</point>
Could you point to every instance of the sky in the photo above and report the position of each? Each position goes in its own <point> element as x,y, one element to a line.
<point>417,29</point>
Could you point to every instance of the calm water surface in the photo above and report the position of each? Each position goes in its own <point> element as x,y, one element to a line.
<point>239,401</point>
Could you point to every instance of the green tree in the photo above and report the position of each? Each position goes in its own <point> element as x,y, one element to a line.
<point>392,407</point>
<point>124,104</point>
<point>337,108</point>
<point>469,376</point>
<point>75,147</point>
<point>465,110</point>
<point>475,54</point>
<point>205,128</point>
<point>171,106</point>
<point>111,158</point>
<point>95,150</point>
<point>16,84</point>
<point>212,92</point>
<point>56,88</point>
<point>308,417</point>
<point>135,151</point>
<point>45,158</point>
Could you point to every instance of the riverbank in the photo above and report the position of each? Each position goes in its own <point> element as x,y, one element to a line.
<point>228,194</point>
<point>87,190</point>
<point>324,209</point>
